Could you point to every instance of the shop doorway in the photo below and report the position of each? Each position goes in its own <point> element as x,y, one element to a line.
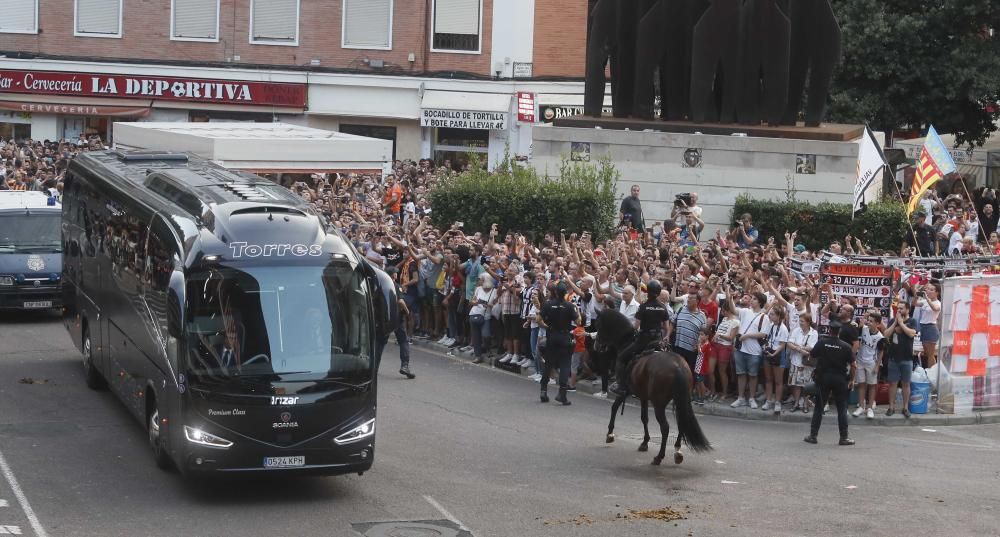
<point>458,147</point>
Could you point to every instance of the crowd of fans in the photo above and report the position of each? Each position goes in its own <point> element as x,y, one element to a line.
<point>748,319</point>
<point>752,317</point>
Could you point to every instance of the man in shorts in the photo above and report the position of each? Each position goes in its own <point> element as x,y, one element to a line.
<point>870,354</point>
<point>900,334</point>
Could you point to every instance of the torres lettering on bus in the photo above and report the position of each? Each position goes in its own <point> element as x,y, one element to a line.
<point>244,249</point>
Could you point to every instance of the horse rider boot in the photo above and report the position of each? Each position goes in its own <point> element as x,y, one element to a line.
<point>652,317</point>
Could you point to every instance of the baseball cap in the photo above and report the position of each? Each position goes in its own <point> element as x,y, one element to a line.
<point>800,248</point>
<point>835,325</point>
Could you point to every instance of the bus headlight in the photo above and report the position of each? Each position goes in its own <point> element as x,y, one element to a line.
<point>6,281</point>
<point>197,436</point>
<point>365,430</point>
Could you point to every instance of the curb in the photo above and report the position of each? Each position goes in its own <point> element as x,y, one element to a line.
<point>723,410</point>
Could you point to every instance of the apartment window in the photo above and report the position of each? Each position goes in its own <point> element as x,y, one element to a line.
<point>194,20</point>
<point>98,18</point>
<point>274,22</point>
<point>367,24</point>
<point>457,26</point>
<point>19,16</point>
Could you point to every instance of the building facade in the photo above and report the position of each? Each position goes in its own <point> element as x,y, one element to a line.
<point>441,78</point>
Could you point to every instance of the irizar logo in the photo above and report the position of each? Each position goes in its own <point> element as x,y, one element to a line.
<point>243,249</point>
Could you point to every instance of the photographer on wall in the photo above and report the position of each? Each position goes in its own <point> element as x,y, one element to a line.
<point>684,204</point>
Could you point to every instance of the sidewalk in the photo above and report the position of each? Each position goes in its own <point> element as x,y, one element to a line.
<point>723,409</point>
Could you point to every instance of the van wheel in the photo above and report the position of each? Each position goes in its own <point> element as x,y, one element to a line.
<point>160,455</point>
<point>93,377</point>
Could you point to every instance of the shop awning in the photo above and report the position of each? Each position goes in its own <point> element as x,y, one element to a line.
<point>461,100</point>
<point>77,106</point>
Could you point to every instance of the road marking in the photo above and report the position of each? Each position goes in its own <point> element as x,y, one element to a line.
<point>3,503</point>
<point>10,530</point>
<point>446,514</point>
<point>21,499</point>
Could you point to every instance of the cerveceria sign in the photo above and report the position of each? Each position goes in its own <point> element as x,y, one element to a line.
<point>153,87</point>
<point>460,119</point>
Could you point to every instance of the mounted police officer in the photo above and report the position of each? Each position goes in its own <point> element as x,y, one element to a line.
<point>653,319</point>
<point>558,316</point>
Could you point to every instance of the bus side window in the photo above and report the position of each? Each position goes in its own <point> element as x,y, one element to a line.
<point>159,262</point>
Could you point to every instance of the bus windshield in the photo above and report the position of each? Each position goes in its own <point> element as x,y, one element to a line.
<point>286,323</point>
<point>39,232</point>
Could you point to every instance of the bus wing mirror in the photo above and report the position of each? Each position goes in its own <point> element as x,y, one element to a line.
<point>386,305</point>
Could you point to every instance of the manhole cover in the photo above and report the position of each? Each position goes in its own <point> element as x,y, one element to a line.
<point>410,528</point>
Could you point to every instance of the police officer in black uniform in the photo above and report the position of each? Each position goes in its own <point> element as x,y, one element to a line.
<point>653,319</point>
<point>559,317</point>
<point>833,359</point>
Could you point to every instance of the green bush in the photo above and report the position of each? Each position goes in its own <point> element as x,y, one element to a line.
<point>882,226</point>
<point>518,199</point>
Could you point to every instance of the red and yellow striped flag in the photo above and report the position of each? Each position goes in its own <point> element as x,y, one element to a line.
<point>935,162</point>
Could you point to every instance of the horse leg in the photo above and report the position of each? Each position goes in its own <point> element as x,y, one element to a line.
<point>660,410</point>
<point>619,401</point>
<point>678,456</point>
<point>644,406</point>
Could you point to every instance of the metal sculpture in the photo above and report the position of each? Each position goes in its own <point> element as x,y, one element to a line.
<point>726,61</point>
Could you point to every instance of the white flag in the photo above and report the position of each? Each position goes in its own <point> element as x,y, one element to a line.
<point>871,162</point>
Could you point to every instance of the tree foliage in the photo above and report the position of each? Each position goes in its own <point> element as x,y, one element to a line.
<point>913,63</point>
<point>882,226</point>
<point>518,199</point>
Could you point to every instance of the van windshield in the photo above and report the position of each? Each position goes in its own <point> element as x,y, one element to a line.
<point>303,323</point>
<point>39,232</point>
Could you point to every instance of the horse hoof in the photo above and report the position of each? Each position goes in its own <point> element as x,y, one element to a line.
<point>643,447</point>
<point>609,439</point>
<point>678,458</point>
<point>657,461</point>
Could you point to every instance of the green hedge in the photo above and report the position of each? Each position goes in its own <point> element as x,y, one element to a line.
<point>518,199</point>
<point>882,226</point>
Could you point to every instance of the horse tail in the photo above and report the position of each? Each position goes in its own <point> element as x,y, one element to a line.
<point>687,423</point>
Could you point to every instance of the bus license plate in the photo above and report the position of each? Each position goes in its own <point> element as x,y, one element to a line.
<point>284,462</point>
<point>40,304</point>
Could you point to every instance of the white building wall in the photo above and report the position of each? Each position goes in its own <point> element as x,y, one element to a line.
<point>513,35</point>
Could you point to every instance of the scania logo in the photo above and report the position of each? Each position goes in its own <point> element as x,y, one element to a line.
<point>286,422</point>
<point>38,283</point>
<point>36,263</point>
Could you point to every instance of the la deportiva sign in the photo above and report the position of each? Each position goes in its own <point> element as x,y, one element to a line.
<point>161,88</point>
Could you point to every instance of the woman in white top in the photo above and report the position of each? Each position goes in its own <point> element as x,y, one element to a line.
<point>774,358</point>
<point>799,345</point>
<point>483,299</point>
<point>725,335</point>
<point>928,308</point>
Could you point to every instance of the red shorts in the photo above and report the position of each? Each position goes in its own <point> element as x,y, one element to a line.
<point>723,353</point>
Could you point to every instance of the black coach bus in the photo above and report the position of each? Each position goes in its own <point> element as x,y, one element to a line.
<point>216,306</point>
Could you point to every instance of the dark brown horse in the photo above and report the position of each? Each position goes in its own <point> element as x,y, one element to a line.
<point>658,378</point>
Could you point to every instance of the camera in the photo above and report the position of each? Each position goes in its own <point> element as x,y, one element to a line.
<point>683,200</point>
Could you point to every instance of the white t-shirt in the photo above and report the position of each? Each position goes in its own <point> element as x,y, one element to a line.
<point>803,340</point>
<point>482,295</point>
<point>725,327</point>
<point>955,243</point>
<point>869,342</point>
<point>749,321</point>
<point>532,312</point>
<point>928,315</point>
<point>776,335</point>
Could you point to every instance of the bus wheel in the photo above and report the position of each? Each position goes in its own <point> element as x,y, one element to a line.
<point>93,377</point>
<point>160,454</point>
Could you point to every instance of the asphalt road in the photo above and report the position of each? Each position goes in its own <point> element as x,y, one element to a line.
<point>475,446</point>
